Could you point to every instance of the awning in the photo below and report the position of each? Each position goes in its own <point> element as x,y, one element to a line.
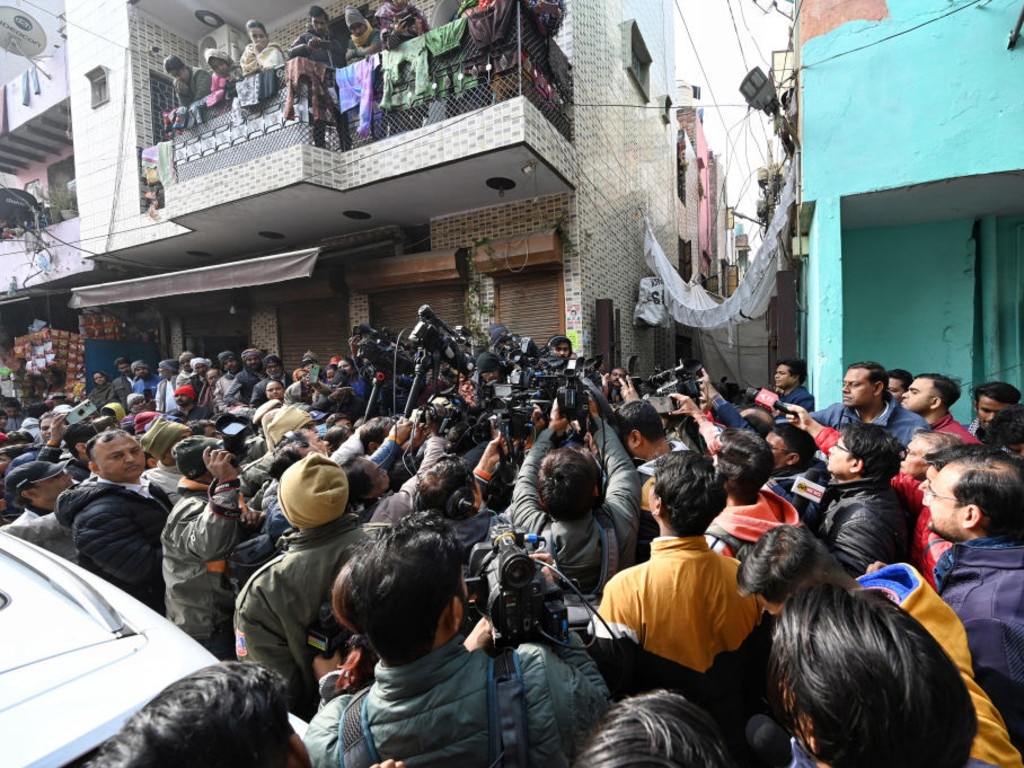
<point>237,274</point>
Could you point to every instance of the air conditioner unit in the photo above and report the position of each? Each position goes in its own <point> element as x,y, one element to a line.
<point>224,38</point>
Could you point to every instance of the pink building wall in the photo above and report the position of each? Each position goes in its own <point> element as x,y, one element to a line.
<point>704,174</point>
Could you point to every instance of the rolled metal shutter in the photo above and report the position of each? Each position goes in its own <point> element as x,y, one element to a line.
<point>531,304</point>
<point>397,309</point>
<point>317,325</point>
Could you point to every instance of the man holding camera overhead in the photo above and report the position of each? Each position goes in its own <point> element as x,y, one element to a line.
<point>591,532</point>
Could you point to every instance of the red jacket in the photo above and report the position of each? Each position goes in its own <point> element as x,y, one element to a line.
<point>926,547</point>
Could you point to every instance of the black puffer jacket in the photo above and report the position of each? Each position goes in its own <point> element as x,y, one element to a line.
<point>117,533</point>
<point>863,522</point>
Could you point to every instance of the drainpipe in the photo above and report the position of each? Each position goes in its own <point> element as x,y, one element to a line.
<point>1015,35</point>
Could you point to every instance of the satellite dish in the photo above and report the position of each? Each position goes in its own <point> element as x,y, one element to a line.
<point>20,33</point>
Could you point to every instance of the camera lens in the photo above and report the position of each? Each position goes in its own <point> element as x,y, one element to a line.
<point>517,572</point>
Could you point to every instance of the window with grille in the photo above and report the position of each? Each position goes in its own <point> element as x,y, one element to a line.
<point>638,61</point>
<point>162,98</point>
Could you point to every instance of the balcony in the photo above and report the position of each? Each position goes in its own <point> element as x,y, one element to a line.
<point>481,128</point>
<point>457,82</point>
<point>38,123</point>
<point>35,259</point>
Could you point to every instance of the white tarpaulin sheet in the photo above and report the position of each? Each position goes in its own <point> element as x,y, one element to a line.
<point>691,305</point>
<point>236,274</point>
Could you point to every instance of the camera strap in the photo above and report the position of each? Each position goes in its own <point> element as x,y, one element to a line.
<point>506,699</point>
<point>356,748</point>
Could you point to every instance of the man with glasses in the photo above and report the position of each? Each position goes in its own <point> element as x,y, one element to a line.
<point>863,521</point>
<point>977,502</point>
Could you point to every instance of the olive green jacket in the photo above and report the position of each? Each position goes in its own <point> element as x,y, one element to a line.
<point>282,600</point>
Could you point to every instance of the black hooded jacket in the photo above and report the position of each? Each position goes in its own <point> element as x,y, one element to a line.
<point>117,534</point>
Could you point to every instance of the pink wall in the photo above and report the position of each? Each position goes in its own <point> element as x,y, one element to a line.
<point>704,173</point>
<point>819,17</point>
<point>38,170</point>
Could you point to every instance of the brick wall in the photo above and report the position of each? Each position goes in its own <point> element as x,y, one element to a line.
<point>177,336</point>
<point>626,166</point>
<point>358,308</point>
<point>499,222</point>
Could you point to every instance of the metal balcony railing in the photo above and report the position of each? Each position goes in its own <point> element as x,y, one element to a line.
<point>465,79</point>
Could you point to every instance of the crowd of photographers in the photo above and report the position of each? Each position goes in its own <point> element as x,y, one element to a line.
<point>461,560</point>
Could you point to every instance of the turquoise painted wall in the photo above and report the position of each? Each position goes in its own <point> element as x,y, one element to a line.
<point>824,303</point>
<point>1001,350</point>
<point>941,101</point>
<point>907,294</point>
<point>938,102</point>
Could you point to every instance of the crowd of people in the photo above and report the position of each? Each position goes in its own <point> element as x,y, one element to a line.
<point>761,582</point>
<point>397,22</point>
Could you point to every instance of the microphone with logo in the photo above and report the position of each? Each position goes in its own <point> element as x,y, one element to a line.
<point>768,400</point>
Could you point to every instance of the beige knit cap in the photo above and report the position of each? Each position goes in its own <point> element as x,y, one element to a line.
<point>283,421</point>
<point>313,492</point>
<point>162,435</point>
<point>263,410</point>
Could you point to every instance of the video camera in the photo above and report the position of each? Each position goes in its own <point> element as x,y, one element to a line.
<point>517,351</point>
<point>684,379</point>
<point>433,335</point>
<point>508,587</point>
<point>377,347</point>
<point>542,381</point>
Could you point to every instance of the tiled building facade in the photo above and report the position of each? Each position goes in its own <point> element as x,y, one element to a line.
<point>617,171</point>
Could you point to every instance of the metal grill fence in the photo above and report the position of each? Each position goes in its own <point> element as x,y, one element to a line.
<point>465,79</point>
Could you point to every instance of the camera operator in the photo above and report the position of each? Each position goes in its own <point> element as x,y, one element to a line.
<point>457,493</point>
<point>592,535</point>
<point>369,482</point>
<point>560,346</point>
<point>433,694</point>
<point>488,369</point>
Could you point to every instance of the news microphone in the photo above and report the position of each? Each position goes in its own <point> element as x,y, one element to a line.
<point>807,488</point>
<point>763,397</point>
<point>769,741</point>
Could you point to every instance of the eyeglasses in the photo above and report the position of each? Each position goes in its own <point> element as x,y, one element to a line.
<point>842,448</point>
<point>930,494</point>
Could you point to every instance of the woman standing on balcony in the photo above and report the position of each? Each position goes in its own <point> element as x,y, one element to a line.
<point>260,54</point>
<point>399,21</point>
